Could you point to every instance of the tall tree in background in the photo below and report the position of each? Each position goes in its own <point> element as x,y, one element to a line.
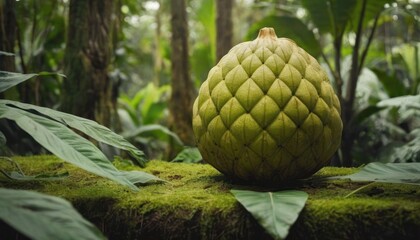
<point>7,34</point>
<point>158,60</point>
<point>88,90</point>
<point>183,91</point>
<point>224,27</point>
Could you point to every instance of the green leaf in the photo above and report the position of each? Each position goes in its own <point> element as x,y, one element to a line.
<point>408,101</point>
<point>50,74</point>
<point>20,176</point>
<point>11,79</point>
<point>140,177</point>
<point>393,86</point>
<point>407,152</point>
<point>155,112</point>
<point>410,53</point>
<point>408,173</point>
<point>365,114</point>
<point>89,127</point>
<point>201,61</point>
<point>153,129</point>
<point>330,16</point>
<point>64,143</point>
<point>128,113</point>
<point>151,108</point>
<point>43,217</point>
<point>188,155</point>
<point>289,27</point>
<point>275,211</point>
<point>320,14</point>
<point>147,106</point>
<point>40,177</point>
<point>138,98</point>
<point>206,15</point>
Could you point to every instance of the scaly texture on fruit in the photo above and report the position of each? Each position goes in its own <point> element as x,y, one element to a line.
<point>267,113</point>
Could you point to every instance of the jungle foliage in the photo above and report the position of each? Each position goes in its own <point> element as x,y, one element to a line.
<point>370,50</point>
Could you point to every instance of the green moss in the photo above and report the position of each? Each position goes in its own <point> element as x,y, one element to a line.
<point>195,202</point>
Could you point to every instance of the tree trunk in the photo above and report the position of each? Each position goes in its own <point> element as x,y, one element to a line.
<point>88,90</point>
<point>224,27</point>
<point>158,60</point>
<point>350,94</point>
<point>7,34</point>
<point>183,91</point>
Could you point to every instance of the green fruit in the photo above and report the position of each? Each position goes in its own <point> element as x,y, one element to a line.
<point>267,113</point>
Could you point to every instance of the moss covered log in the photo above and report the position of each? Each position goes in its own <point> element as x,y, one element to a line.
<point>195,203</point>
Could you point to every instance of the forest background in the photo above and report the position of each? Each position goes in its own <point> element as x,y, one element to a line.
<point>135,66</point>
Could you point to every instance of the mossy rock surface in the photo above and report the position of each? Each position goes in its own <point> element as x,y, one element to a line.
<point>195,203</point>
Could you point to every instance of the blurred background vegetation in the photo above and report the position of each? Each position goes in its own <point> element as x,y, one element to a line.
<point>135,65</point>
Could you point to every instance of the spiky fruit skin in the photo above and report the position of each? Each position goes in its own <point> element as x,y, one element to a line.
<point>267,113</point>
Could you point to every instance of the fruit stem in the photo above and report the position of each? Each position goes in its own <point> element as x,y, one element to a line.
<point>267,32</point>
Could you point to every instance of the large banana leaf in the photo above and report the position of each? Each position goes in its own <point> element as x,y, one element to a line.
<point>43,217</point>
<point>275,211</point>
<point>89,127</point>
<point>64,143</point>
<point>289,27</point>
